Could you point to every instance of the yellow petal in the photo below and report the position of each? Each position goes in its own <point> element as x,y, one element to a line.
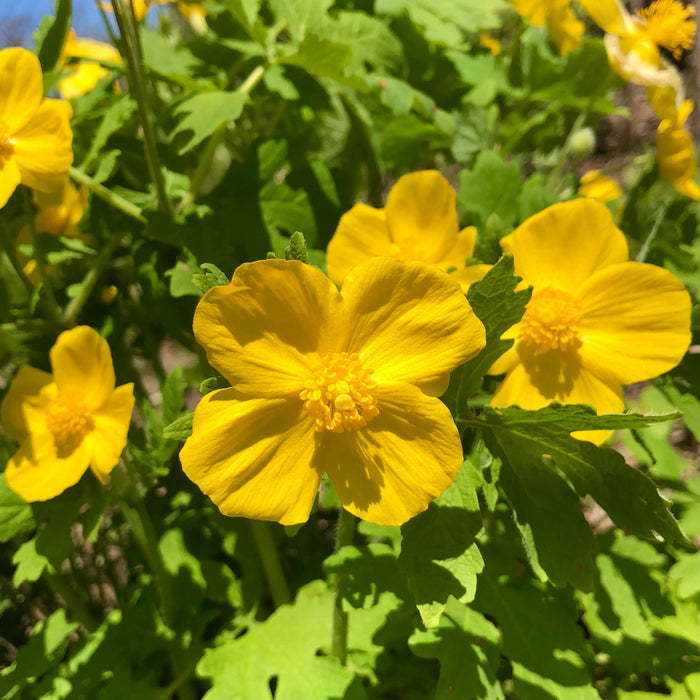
<point>43,148</point>
<point>609,15</point>
<point>676,159</point>
<point>109,435</point>
<point>463,248</point>
<point>635,322</point>
<point>362,233</point>
<point>21,87</point>
<point>466,276</point>
<point>421,214</point>
<point>533,10</point>
<point>81,78</point>
<point>36,472</point>
<point>564,244</point>
<point>394,467</point>
<point>82,364</point>
<point>266,329</point>
<point>90,48</point>
<point>23,407</point>
<point>637,59</point>
<point>566,29</point>
<point>10,177</point>
<point>559,378</point>
<point>409,322</point>
<point>253,457</point>
<point>598,186</point>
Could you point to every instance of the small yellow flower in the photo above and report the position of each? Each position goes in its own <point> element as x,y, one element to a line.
<point>419,222</point>
<point>674,147</point>
<point>35,135</point>
<point>84,75</point>
<point>557,15</point>
<point>598,186</point>
<point>68,421</point>
<point>486,41</point>
<point>329,382</point>
<point>595,321</point>
<point>633,41</point>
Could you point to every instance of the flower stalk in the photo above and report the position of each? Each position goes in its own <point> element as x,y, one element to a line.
<point>344,536</point>
<point>133,55</point>
<point>107,195</point>
<point>271,562</point>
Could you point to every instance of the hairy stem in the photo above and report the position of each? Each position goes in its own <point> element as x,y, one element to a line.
<point>344,536</point>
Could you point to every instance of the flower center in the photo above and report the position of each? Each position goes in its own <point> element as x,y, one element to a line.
<point>339,396</point>
<point>68,421</point>
<point>551,321</point>
<point>408,249</point>
<point>7,148</point>
<point>668,25</point>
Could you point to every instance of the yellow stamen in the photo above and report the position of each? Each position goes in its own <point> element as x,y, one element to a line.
<point>551,321</point>
<point>68,421</point>
<point>339,396</point>
<point>668,25</point>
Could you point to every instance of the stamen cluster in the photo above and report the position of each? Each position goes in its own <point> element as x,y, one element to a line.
<point>551,321</point>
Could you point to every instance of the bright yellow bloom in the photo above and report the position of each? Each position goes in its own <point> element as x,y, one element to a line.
<point>598,186</point>
<point>595,321</point>
<point>35,136</point>
<point>674,146</point>
<point>489,42</point>
<point>84,75</point>
<point>557,15</point>
<point>59,214</point>
<point>419,222</point>
<point>68,421</point>
<point>633,41</point>
<point>329,382</point>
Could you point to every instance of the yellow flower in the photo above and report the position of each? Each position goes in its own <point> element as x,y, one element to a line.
<point>419,222</point>
<point>328,382</point>
<point>35,136</point>
<point>557,15</point>
<point>598,186</point>
<point>84,75</point>
<point>633,41</point>
<point>486,41</point>
<point>68,421</point>
<point>59,214</point>
<point>674,146</point>
<point>595,321</point>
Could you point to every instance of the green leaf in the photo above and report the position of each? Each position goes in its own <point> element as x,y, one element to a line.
<point>52,35</point>
<point>302,16</point>
<point>180,429</point>
<point>498,306</point>
<point>211,276</point>
<point>276,81</point>
<point>467,646</point>
<point>368,572</point>
<point>245,12</point>
<point>684,576</point>
<point>204,114</point>
<point>492,186</point>
<point>173,402</point>
<point>162,57</point>
<point>15,513</point>
<point>118,113</point>
<point>485,72</point>
<point>292,642</point>
<point>439,553</point>
<point>30,564</point>
<point>597,471</point>
<point>541,636</point>
<point>212,384</point>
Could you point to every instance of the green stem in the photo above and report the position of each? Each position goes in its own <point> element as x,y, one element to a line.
<point>137,82</point>
<point>107,195</point>
<point>644,250</point>
<point>339,641</point>
<point>87,285</point>
<point>52,305</point>
<point>270,561</point>
<point>214,142</point>
<point>12,257</point>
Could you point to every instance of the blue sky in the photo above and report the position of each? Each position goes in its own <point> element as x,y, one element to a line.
<point>20,18</point>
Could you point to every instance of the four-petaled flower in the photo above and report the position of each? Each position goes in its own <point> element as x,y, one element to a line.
<point>595,321</point>
<point>329,382</point>
<point>558,16</point>
<point>35,135</point>
<point>68,421</point>
<point>419,222</point>
<point>633,41</point>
